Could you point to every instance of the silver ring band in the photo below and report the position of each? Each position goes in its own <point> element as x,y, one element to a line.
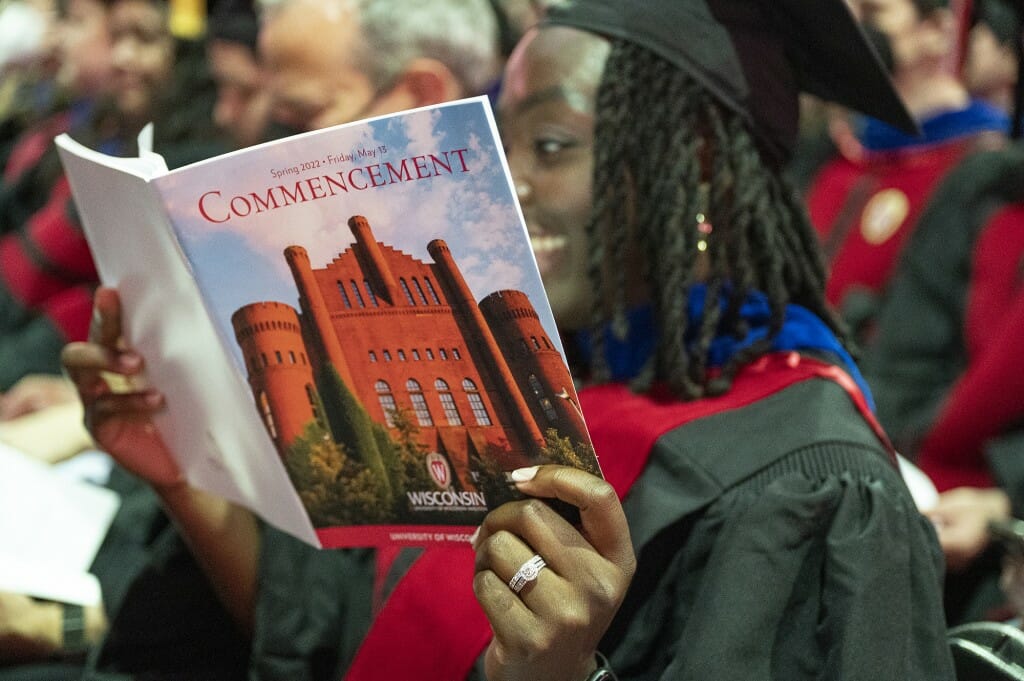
<point>526,573</point>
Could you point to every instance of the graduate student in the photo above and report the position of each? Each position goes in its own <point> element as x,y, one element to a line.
<point>752,524</point>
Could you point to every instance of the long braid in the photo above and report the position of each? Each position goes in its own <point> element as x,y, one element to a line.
<point>647,168</point>
<point>608,171</point>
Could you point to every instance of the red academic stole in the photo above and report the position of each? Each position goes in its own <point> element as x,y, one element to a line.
<point>432,629</point>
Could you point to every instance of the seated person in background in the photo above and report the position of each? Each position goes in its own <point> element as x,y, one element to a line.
<point>990,63</point>
<point>721,400</point>
<point>84,75</point>
<point>865,207</point>
<point>329,62</point>
<point>242,109</point>
<point>27,67</point>
<point>46,270</point>
<point>164,618</point>
<point>945,366</point>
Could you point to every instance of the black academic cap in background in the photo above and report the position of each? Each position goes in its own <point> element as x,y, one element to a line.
<point>755,56</point>
<point>235,21</point>
<point>1005,18</point>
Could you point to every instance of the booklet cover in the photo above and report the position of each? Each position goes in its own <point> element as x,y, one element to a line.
<point>349,324</point>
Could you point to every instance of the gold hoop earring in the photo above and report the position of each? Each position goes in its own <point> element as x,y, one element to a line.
<point>704,227</point>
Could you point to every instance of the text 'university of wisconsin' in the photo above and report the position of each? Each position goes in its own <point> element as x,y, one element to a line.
<point>214,207</point>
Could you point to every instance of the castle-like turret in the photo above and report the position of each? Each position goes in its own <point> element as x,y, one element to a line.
<point>374,265</point>
<point>461,298</point>
<point>316,312</point>
<point>280,374</point>
<point>535,363</point>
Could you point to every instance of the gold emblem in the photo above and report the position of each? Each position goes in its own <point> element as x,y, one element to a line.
<point>884,215</point>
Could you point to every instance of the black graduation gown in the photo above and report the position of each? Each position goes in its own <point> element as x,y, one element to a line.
<point>775,541</point>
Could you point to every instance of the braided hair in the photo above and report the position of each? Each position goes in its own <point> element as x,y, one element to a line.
<point>762,238</point>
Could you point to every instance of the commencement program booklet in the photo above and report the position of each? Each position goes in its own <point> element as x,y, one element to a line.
<point>348,324</point>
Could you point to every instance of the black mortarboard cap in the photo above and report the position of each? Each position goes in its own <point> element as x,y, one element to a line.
<point>754,56</point>
<point>234,21</point>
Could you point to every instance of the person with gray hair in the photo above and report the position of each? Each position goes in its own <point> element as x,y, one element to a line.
<point>335,61</point>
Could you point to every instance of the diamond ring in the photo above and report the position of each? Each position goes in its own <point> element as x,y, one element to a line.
<point>526,573</point>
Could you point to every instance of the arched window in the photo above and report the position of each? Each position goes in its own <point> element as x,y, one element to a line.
<point>387,401</point>
<point>430,289</point>
<point>430,353</point>
<point>406,291</point>
<point>401,355</point>
<point>344,295</point>
<point>277,354</point>
<point>291,356</point>
<point>419,290</point>
<point>373,356</point>
<point>358,295</point>
<point>419,403</point>
<point>542,399</point>
<point>387,355</point>
<point>370,294</point>
<point>476,403</point>
<point>536,343</point>
<point>451,412</point>
<point>415,355</point>
<point>455,354</point>
<point>549,409</point>
<point>442,353</point>
<point>268,416</point>
<point>314,403</point>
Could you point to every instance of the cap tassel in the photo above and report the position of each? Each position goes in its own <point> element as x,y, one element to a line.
<point>188,19</point>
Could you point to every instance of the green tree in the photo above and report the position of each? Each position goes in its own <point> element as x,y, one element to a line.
<point>349,422</point>
<point>492,480</point>
<point>334,488</point>
<point>562,450</point>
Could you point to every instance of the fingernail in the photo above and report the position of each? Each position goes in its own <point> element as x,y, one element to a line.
<point>524,474</point>
<point>474,537</point>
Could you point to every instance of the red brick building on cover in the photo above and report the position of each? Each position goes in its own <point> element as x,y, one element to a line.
<point>405,334</point>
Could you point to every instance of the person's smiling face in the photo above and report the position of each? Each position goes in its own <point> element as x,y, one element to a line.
<point>546,114</point>
<point>143,55</point>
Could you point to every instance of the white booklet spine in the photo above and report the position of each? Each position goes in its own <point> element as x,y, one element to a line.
<point>219,440</point>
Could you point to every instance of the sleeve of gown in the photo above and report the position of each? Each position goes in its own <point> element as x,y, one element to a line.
<point>985,403</point>
<point>838,579</point>
<point>313,609</point>
<point>917,351</point>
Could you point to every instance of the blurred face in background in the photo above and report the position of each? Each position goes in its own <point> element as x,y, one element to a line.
<point>83,48</point>
<point>242,110</point>
<point>915,41</point>
<point>990,70</point>
<point>142,55</point>
<point>308,53</point>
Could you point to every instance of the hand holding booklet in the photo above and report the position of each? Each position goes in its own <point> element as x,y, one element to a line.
<point>348,324</point>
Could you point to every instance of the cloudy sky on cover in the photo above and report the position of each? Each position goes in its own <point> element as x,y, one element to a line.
<point>241,261</point>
